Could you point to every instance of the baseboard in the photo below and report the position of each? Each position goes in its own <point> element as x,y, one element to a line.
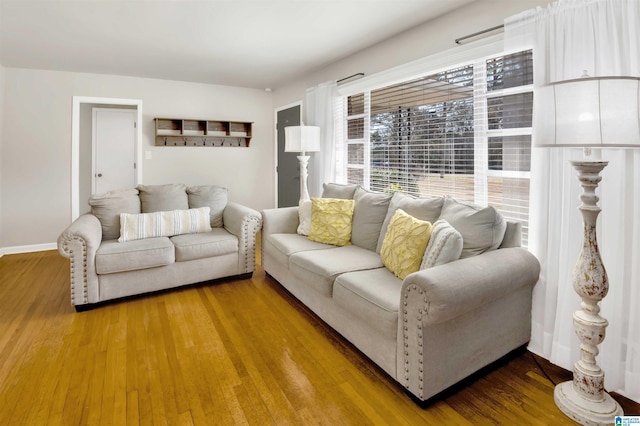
<point>27,249</point>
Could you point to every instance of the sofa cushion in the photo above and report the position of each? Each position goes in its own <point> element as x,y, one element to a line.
<point>482,228</point>
<point>405,243</point>
<point>281,246</point>
<point>156,198</point>
<point>217,242</point>
<point>369,212</point>
<point>212,196</point>
<point>293,243</point>
<point>318,268</point>
<point>373,295</point>
<point>112,256</point>
<point>421,208</point>
<point>445,245</point>
<point>331,221</point>
<point>163,224</point>
<point>108,206</point>
<point>338,190</point>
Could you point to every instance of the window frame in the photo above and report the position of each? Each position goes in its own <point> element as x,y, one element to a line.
<point>481,111</point>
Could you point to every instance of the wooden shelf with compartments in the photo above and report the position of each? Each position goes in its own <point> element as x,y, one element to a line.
<point>187,132</point>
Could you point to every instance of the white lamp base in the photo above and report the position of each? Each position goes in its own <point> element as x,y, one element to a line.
<point>304,192</point>
<point>583,410</point>
<point>584,399</point>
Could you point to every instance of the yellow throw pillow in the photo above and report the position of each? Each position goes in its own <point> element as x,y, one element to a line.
<point>404,243</point>
<point>331,221</point>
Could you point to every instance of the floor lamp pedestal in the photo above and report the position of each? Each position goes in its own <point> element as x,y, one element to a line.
<point>583,399</point>
<point>304,191</point>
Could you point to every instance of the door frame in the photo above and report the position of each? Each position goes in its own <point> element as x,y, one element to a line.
<point>275,139</point>
<point>94,143</point>
<point>75,142</point>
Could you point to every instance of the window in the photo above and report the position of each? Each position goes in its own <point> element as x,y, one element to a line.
<point>464,132</point>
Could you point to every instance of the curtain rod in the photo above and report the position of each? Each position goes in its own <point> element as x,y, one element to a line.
<point>497,27</point>
<point>359,74</point>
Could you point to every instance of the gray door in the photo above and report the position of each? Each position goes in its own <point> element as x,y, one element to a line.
<point>288,164</point>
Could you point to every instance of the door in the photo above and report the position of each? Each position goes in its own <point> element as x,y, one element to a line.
<point>288,164</point>
<point>114,142</point>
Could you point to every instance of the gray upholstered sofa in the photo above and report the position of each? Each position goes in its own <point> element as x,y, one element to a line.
<point>174,235</point>
<point>437,325</point>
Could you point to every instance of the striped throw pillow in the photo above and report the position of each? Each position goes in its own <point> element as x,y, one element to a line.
<point>163,224</point>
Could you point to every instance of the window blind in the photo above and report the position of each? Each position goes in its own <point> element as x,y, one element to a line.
<point>422,134</point>
<point>463,132</point>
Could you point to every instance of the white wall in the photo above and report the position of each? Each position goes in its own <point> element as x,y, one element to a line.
<point>427,39</point>
<point>36,144</point>
<point>1,157</point>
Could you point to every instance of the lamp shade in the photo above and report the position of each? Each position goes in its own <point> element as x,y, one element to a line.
<point>588,112</point>
<point>302,139</point>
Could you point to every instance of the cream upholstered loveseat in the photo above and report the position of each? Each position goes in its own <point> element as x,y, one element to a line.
<point>173,235</point>
<point>468,307</point>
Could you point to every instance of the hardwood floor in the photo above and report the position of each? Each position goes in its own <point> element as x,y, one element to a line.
<point>231,352</point>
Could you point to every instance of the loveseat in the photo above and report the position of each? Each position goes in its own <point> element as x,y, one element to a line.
<point>156,237</point>
<point>467,305</point>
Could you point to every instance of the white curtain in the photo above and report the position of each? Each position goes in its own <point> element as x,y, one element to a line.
<point>321,105</point>
<point>569,37</point>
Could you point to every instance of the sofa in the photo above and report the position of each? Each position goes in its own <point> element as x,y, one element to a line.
<point>156,237</point>
<point>463,302</point>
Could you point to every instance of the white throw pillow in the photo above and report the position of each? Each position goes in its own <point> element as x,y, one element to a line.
<point>163,224</point>
<point>304,215</point>
<point>445,245</point>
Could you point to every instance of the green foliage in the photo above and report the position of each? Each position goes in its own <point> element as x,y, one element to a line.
<point>389,180</point>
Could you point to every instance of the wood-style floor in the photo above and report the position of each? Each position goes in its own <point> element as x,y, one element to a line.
<point>234,352</point>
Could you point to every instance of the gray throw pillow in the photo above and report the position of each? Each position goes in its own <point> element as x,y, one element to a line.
<point>108,206</point>
<point>338,190</point>
<point>421,208</point>
<point>212,196</point>
<point>160,198</point>
<point>482,228</point>
<point>369,213</point>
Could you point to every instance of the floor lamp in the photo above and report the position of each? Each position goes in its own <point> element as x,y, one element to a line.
<point>588,112</point>
<point>302,139</point>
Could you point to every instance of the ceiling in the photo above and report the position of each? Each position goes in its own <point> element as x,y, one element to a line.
<point>247,43</point>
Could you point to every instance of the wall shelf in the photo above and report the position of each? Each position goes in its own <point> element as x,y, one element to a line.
<point>187,132</point>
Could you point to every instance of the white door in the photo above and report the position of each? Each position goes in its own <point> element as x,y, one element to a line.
<point>114,141</point>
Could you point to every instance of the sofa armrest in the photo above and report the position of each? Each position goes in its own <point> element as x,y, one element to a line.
<point>79,243</point>
<point>283,220</point>
<point>457,318</point>
<point>455,288</point>
<point>244,223</point>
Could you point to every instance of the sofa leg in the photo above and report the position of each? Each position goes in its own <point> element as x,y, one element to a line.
<point>423,404</point>
<point>84,308</point>
<point>245,276</point>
